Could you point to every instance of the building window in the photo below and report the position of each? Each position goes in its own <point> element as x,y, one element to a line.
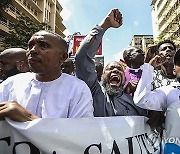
<point>57,9</point>
<point>35,13</point>
<point>159,3</point>
<point>11,8</point>
<point>35,1</point>
<point>28,6</point>
<point>47,15</point>
<point>18,12</point>
<point>3,21</point>
<point>24,2</point>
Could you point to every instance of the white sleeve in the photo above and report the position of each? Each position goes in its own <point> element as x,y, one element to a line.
<point>5,88</point>
<point>83,103</point>
<point>153,100</point>
<point>144,97</point>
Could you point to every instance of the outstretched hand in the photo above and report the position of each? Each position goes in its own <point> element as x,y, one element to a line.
<point>158,60</point>
<point>131,87</point>
<point>113,19</point>
<point>15,112</point>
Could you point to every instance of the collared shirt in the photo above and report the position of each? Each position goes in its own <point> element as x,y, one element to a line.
<point>65,97</point>
<point>132,75</point>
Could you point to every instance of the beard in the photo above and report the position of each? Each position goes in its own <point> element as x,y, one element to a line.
<point>111,90</point>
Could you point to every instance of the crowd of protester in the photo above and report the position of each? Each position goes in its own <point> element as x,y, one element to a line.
<point>41,82</point>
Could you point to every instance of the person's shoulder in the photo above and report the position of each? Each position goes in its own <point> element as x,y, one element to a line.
<point>73,84</point>
<point>71,78</point>
<point>26,74</point>
<point>167,89</point>
<point>147,66</point>
<point>21,77</point>
<point>17,80</point>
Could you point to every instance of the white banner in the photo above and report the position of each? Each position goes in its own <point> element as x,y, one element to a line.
<point>171,137</point>
<point>110,135</point>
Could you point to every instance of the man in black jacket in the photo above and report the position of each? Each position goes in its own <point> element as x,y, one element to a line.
<point>108,99</point>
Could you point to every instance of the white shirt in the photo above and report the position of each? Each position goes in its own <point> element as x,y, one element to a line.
<point>158,99</point>
<point>65,97</point>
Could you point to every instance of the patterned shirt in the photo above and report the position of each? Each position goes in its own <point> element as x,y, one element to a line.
<point>159,80</point>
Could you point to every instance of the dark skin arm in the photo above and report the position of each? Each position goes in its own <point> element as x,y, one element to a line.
<point>16,112</point>
<point>158,60</point>
<point>151,52</point>
<point>157,118</point>
<point>131,87</point>
<point>113,19</point>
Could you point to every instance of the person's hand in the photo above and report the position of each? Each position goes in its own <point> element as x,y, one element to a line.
<point>113,19</point>
<point>151,52</point>
<point>15,112</point>
<point>158,60</point>
<point>131,87</point>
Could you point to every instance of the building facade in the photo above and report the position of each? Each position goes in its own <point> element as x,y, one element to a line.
<point>38,10</point>
<point>142,41</point>
<point>166,20</point>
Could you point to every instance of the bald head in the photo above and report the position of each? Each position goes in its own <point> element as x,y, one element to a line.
<point>63,46</point>
<point>13,61</point>
<point>14,53</point>
<point>133,56</point>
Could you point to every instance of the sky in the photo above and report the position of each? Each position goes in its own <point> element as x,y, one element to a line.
<point>82,15</point>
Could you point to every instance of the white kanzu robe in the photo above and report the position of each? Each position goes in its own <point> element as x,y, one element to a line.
<point>65,97</point>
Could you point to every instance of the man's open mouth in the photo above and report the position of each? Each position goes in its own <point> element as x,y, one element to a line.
<point>114,80</point>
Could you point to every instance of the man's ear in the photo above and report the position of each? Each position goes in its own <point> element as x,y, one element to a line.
<point>63,57</point>
<point>19,65</point>
<point>22,66</point>
<point>174,72</point>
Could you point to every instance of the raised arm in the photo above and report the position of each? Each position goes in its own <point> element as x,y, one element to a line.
<point>144,97</point>
<point>113,19</point>
<point>85,66</point>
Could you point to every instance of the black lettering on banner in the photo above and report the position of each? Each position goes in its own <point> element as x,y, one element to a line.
<point>130,145</point>
<point>7,140</point>
<point>97,145</point>
<point>141,139</point>
<point>115,148</point>
<point>33,149</point>
<point>152,142</point>
<point>139,143</point>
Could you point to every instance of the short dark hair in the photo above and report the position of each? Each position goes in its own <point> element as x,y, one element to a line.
<point>163,42</point>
